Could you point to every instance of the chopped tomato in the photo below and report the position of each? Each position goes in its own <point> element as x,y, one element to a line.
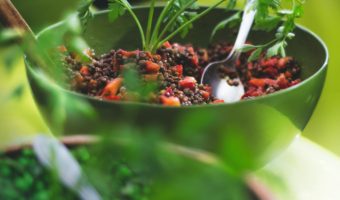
<point>188,82</point>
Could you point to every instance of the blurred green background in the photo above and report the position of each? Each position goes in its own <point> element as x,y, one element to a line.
<point>19,116</point>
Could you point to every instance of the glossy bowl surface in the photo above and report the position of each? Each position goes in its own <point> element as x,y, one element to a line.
<point>244,135</point>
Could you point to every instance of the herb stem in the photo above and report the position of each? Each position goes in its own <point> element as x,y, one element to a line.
<point>135,18</point>
<point>174,18</point>
<point>160,20</point>
<point>186,24</point>
<point>150,21</point>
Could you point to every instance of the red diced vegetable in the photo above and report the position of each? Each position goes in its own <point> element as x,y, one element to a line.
<point>188,82</point>
<point>112,88</point>
<point>84,70</point>
<point>170,101</point>
<point>151,67</point>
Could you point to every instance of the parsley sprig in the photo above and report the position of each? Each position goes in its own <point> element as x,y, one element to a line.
<point>177,17</point>
<point>270,14</point>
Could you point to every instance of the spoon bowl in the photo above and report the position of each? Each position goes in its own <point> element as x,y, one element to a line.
<point>244,135</point>
<point>212,75</point>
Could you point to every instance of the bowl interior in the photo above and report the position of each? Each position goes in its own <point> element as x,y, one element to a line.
<point>304,47</point>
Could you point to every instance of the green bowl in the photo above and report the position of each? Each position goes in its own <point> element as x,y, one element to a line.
<point>244,135</point>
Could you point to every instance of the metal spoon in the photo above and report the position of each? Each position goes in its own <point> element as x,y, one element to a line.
<point>211,74</point>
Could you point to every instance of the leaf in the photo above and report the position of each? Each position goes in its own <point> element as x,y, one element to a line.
<point>116,10</point>
<point>9,36</point>
<point>17,92</point>
<point>274,50</point>
<point>231,4</point>
<point>183,17</point>
<point>84,12</point>
<point>10,57</point>
<point>282,51</point>
<point>255,55</point>
<point>267,23</point>
<point>231,21</point>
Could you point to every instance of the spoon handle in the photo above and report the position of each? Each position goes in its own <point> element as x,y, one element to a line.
<point>11,18</point>
<point>247,21</point>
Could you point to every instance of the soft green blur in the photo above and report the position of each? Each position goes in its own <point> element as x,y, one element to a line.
<point>19,117</point>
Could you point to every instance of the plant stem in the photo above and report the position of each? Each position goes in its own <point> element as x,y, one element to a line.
<point>174,18</point>
<point>160,20</point>
<point>150,20</point>
<point>135,18</point>
<point>158,44</point>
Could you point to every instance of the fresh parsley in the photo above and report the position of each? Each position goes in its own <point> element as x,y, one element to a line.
<point>270,14</point>
<point>177,17</point>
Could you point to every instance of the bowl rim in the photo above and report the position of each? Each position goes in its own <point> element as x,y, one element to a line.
<point>272,95</point>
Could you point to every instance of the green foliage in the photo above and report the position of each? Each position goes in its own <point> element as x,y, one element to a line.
<point>230,22</point>
<point>176,18</point>
<point>269,15</point>
<point>84,12</point>
<point>116,10</point>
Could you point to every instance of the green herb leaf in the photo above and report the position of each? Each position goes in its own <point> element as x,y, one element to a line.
<point>116,10</point>
<point>178,10</point>
<point>255,55</point>
<point>229,22</point>
<point>274,50</point>
<point>84,12</point>
<point>231,4</point>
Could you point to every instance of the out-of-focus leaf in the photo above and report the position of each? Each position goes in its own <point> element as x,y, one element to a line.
<point>11,56</point>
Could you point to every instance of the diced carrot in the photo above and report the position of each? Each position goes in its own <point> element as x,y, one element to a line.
<point>188,82</point>
<point>151,67</point>
<point>129,54</point>
<point>112,88</point>
<point>84,70</point>
<point>170,101</point>
<point>261,82</point>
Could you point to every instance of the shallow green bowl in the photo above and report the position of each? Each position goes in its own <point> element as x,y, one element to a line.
<point>244,135</point>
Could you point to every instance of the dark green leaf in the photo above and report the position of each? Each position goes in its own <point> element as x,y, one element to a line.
<point>229,22</point>
<point>231,4</point>
<point>116,10</point>
<point>255,55</point>
<point>17,92</point>
<point>267,23</point>
<point>84,12</point>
